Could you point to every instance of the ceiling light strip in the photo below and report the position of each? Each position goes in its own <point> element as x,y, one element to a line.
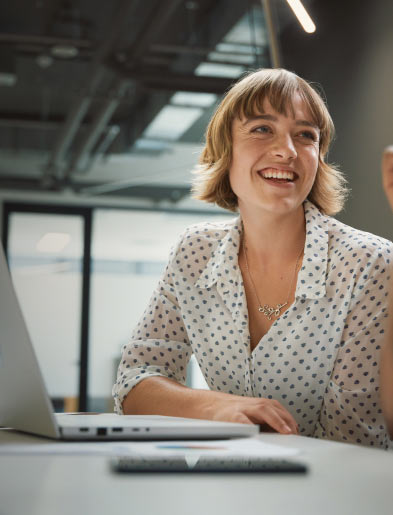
<point>302,15</point>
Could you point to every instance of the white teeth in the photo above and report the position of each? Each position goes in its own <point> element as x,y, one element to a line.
<point>278,174</point>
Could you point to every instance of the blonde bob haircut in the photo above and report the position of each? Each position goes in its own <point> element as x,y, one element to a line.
<point>245,99</point>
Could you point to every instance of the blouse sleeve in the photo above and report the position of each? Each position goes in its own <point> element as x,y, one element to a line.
<point>159,345</point>
<point>351,408</point>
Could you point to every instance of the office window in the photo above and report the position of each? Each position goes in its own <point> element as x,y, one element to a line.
<point>45,257</point>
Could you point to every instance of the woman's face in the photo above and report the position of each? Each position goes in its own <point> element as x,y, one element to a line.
<point>274,159</point>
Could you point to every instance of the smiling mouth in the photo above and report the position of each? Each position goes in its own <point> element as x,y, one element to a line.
<point>272,174</point>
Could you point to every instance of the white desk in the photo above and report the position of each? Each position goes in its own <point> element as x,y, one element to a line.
<point>343,479</point>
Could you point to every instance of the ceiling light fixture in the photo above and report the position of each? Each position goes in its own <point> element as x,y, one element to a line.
<point>302,15</point>
<point>65,51</point>
<point>53,242</point>
<point>194,99</point>
<point>172,122</point>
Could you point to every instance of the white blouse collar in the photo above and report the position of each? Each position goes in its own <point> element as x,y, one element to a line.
<point>223,269</point>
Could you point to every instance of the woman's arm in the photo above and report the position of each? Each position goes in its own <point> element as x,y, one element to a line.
<point>163,396</point>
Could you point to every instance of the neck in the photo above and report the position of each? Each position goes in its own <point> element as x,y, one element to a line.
<point>285,235</point>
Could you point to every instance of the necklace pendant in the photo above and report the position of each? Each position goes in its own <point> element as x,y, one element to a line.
<point>269,311</point>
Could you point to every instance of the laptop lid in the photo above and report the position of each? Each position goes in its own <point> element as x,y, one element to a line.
<point>25,404</point>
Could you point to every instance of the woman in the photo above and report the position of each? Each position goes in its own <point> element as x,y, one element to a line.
<point>283,307</point>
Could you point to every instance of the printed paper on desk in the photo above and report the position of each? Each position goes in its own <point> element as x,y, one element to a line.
<point>244,447</point>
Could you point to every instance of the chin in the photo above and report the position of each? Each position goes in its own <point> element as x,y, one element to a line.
<point>282,206</point>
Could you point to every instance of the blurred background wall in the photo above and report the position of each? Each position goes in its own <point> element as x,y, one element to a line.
<point>351,56</point>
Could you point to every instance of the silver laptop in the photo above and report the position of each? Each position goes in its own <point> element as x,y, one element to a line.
<point>25,404</point>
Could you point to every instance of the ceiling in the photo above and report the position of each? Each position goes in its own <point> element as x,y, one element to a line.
<point>111,99</point>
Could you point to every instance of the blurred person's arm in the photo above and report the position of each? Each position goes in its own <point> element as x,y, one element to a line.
<point>387,173</point>
<point>386,368</point>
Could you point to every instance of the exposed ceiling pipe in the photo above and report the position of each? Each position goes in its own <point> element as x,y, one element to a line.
<point>110,134</point>
<point>97,126</point>
<point>83,101</point>
<point>272,34</point>
<point>172,81</point>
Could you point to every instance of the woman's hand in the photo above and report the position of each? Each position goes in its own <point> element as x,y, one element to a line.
<point>163,396</point>
<point>387,173</point>
<point>251,410</point>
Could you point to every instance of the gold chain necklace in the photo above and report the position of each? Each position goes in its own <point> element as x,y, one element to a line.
<point>266,309</point>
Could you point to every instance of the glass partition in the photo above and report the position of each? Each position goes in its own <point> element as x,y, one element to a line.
<point>129,253</point>
<point>45,258</point>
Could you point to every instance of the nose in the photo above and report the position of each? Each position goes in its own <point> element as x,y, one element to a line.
<point>284,148</point>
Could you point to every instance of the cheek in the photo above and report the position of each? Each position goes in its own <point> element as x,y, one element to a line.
<point>233,178</point>
<point>312,161</point>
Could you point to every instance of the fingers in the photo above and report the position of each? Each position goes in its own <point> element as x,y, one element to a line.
<point>275,420</point>
<point>276,417</point>
<point>388,150</point>
<point>249,410</point>
<point>291,422</point>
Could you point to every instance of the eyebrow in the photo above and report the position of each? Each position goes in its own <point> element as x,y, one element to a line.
<point>273,118</point>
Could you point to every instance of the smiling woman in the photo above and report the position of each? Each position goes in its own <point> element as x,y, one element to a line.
<point>284,307</point>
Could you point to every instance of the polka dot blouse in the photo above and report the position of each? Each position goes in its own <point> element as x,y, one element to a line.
<point>319,359</point>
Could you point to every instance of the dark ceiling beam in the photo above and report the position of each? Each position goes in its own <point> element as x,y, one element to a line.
<point>180,82</point>
<point>84,189</point>
<point>156,192</point>
<point>20,123</point>
<point>83,101</point>
<point>25,183</point>
<point>43,41</point>
<point>197,50</point>
<point>35,124</point>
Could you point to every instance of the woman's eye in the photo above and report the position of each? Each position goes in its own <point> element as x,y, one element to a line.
<point>263,129</point>
<point>309,135</point>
